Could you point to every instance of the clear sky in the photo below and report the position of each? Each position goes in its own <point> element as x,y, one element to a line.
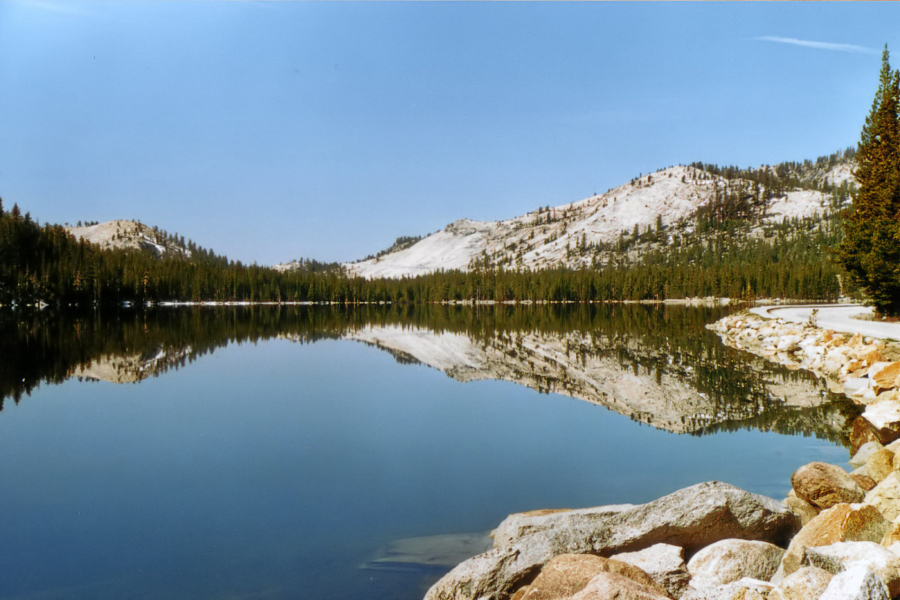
<point>274,130</point>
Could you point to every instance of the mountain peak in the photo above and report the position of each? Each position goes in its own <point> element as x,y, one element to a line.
<point>125,234</point>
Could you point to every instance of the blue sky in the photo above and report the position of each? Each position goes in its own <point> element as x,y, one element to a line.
<point>274,130</point>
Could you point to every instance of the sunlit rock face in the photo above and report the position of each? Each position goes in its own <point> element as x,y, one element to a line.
<point>551,237</point>
<point>665,388</point>
<point>123,234</point>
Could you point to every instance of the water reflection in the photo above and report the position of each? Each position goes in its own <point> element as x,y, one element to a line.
<point>655,364</point>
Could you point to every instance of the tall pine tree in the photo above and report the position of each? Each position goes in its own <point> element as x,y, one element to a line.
<point>870,249</point>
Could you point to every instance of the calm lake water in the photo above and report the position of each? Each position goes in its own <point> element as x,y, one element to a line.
<point>278,453</point>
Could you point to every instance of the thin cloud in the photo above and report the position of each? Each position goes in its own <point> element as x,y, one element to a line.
<point>818,45</point>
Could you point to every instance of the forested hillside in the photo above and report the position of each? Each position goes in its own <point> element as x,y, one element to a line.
<point>674,205</point>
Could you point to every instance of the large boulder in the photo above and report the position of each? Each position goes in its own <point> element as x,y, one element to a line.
<point>892,536</point>
<point>824,485</point>
<point>865,482</point>
<point>664,564</point>
<point>862,433</point>
<point>894,446</point>
<point>884,416</point>
<point>812,558</point>
<point>885,378</point>
<point>874,557</point>
<point>860,456</point>
<point>806,583</point>
<point>873,356</point>
<point>730,560</point>
<point>858,583</point>
<point>742,589</point>
<point>840,523</point>
<point>692,518</point>
<point>802,508</point>
<point>606,586</point>
<point>879,464</point>
<point>886,496</point>
<point>568,574</point>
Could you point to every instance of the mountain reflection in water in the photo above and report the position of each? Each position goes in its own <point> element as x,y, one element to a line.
<point>656,364</point>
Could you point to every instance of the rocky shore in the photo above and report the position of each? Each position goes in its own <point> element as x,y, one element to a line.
<point>836,536</point>
<point>866,370</point>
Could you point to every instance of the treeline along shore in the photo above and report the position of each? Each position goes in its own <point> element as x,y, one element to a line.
<point>45,264</point>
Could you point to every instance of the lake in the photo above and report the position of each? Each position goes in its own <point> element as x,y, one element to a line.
<point>265,452</point>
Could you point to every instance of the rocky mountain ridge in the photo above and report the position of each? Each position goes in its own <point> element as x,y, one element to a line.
<point>667,204</point>
<point>125,234</point>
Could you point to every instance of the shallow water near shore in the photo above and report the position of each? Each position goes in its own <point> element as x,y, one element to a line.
<point>279,453</point>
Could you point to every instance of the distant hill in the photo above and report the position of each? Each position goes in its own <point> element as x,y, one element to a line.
<point>122,234</point>
<point>676,203</point>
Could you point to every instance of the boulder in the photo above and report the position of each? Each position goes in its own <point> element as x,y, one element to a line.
<point>606,586</point>
<point>806,583</point>
<point>692,518</point>
<point>879,464</point>
<point>824,485</point>
<point>812,558</point>
<point>860,471</point>
<point>865,482</point>
<point>841,523</point>
<point>860,434</point>
<point>857,386</point>
<point>664,564</point>
<point>743,589</point>
<point>886,395</point>
<point>892,535</point>
<point>875,368</point>
<point>886,377</point>
<point>859,458</point>
<point>730,560</point>
<point>873,356</point>
<point>802,508</point>
<point>884,417</point>
<point>874,557</point>
<point>858,583</point>
<point>568,574</point>
<point>886,496</point>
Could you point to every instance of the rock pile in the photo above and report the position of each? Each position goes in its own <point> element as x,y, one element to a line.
<point>646,543</point>
<point>864,369</point>
<point>710,541</point>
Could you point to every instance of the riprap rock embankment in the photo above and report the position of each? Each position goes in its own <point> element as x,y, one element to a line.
<point>864,369</point>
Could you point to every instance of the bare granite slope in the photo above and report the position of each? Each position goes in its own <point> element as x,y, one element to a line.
<point>544,238</point>
<point>122,234</point>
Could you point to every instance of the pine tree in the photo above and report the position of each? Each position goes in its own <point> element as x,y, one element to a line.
<point>870,249</point>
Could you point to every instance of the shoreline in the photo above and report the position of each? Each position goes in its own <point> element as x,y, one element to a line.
<point>838,533</point>
<point>692,301</point>
<point>865,369</point>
